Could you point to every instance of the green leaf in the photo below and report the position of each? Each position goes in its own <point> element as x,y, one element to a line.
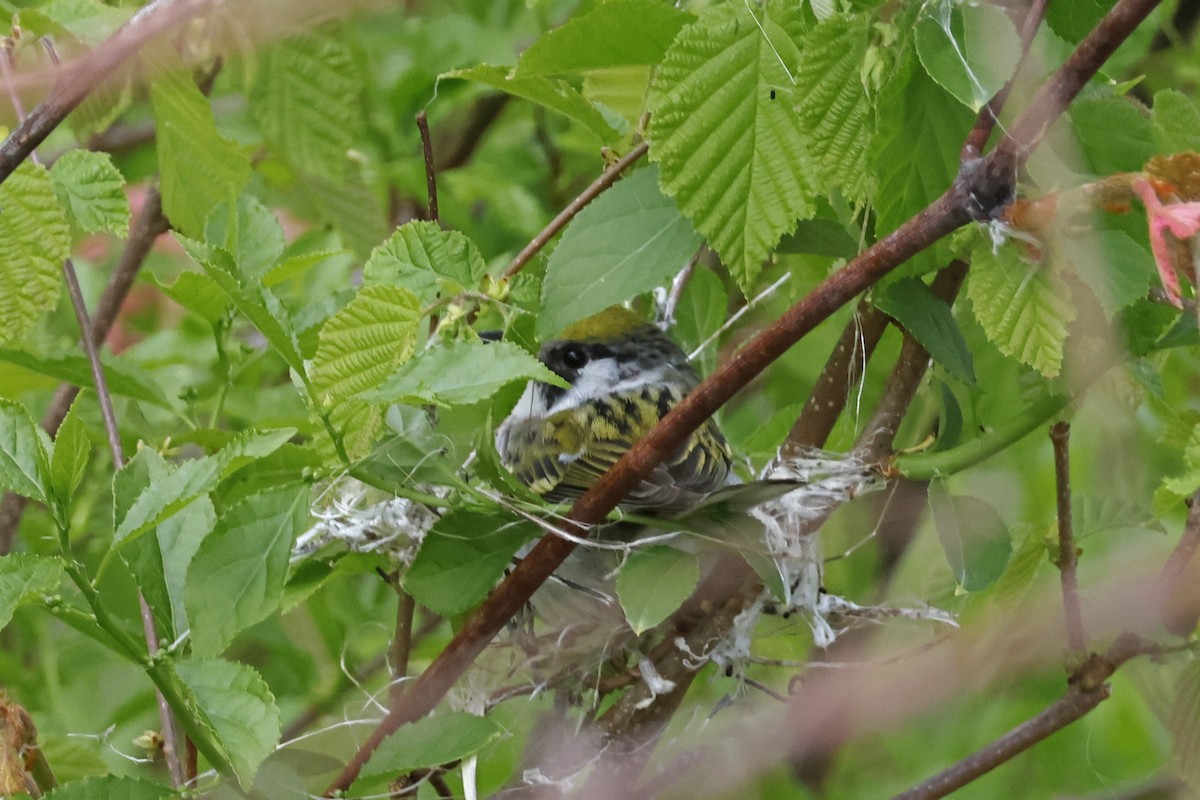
<point>653,582</point>
<point>1074,19</point>
<point>1022,306</point>
<point>91,188</point>
<point>1184,723</point>
<point>628,241</point>
<point>462,557</point>
<point>69,461</point>
<point>1113,132</point>
<point>552,93</point>
<point>199,169</point>
<point>199,294</point>
<point>236,578</point>
<point>257,304</point>
<point>916,150</point>
<point>976,542</point>
<point>426,260</point>
<point>701,312</point>
<point>25,577</point>
<point>106,787</point>
<point>24,453</point>
<point>604,37</point>
<point>306,97</point>
<point>89,21</point>
<point>428,742</point>
<point>929,320</point>
<point>237,704</point>
<point>1116,269</point>
<point>833,100</point>
<point>460,373</point>
<point>123,377</point>
<point>180,485</point>
<point>970,50</point>
<point>359,347</point>
<point>35,239</point>
<point>1187,482</point>
<point>732,157</point>
<point>350,206</point>
<point>249,232</point>
<point>1175,122</point>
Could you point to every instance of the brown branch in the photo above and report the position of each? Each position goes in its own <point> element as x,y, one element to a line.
<point>1180,608</point>
<point>81,77</point>
<point>1060,437</point>
<point>989,115</point>
<point>978,192</point>
<point>574,207</point>
<point>1088,690</point>
<point>430,172</point>
<point>402,642</point>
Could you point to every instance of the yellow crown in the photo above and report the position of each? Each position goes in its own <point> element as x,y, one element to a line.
<point>611,323</point>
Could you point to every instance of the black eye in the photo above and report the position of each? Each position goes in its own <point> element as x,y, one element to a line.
<point>574,357</point>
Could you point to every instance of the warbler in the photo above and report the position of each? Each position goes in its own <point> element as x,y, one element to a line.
<point>625,375</point>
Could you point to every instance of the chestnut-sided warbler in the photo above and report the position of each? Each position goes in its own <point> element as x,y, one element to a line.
<point>625,375</point>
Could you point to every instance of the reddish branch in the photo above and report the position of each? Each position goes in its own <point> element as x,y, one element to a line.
<point>1088,689</point>
<point>979,192</point>
<point>1060,437</point>
<point>1180,607</point>
<point>574,207</point>
<point>430,171</point>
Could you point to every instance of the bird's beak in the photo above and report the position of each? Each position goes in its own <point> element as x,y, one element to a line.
<point>491,336</point>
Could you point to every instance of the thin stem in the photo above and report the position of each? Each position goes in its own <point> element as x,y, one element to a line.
<point>402,642</point>
<point>1060,437</point>
<point>430,172</point>
<point>574,207</point>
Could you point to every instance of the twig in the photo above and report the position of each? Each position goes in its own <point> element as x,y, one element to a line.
<point>430,172</point>
<point>1087,691</point>
<point>402,642</point>
<point>1180,609</point>
<point>989,115</point>
<point>574,207</point>
<point>978,192</point>
<point>1068,557</point>
<point>80,78</point>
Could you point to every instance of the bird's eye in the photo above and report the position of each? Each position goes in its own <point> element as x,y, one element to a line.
<point>574,357</point>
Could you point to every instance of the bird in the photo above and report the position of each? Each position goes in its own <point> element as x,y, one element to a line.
<point>624,375</point>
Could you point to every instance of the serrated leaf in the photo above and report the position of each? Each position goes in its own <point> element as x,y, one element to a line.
<point>1188,481</point>
<point>973,536</point>
<point>106,787</point>
<point>603,37</point>
<point>23,577</point>
<point>350,206</point>
<point>1023,564</point>
<point>236,578</point>
<point>256,303</point>
<point>929,320</point>
<point>35,239</point>
<point>249,232</point>
<point>1107,515</point>
<point>306,97</point>
<point>89,21</point>
<point>628,241</point>
<point>91,188</point>
<point>732,157</point>
<point>180,485</point>
<point>462,557</point>
<point>916,149</point>
<point>359,347</point>
<point>428,742</point>
<point>24,453</point>
<point>1113,133</point>
<point>971,50</point>
<point>621,90</point>
<point>653,583</point>
<point>552,93</point>
<point>460,373</point>
<point>199,169</point>
<point>1175,122</point>
<point>833,103</point>
<point>69,460</point>
<point>426,260</point>
<point>1022,306</point>
<point>240,708</point>
<point>123,377</point>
